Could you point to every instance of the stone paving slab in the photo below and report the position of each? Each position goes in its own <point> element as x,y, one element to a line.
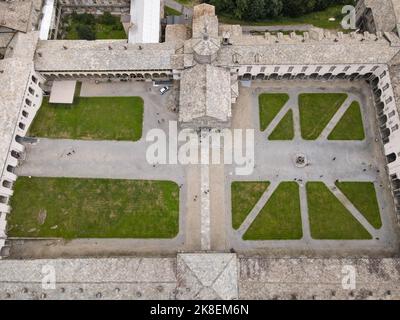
<point>318,278</point>
<point>201,276</point>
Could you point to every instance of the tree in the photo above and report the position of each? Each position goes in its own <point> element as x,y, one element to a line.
<point>85,32</point>
<point>256,10</point>
<point>241,8</point>
<point>107,18</point>
<point>273,8</point>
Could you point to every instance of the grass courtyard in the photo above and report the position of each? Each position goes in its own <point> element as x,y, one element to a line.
<point>93,118</point>
<point>91,27</point>
<point>350,126</point>
<point>318,19</point>
<point>245,195</point>
<point>280,218</point>
<point>270,105</point>
<point>316,110</point>
<point>284,130</point>
<point>94,208</point>
<point>329,218</point>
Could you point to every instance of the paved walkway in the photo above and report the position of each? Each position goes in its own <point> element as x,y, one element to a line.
<point>205,220</point>
<point>354,161</point>
<point>179,7</point>
<point>114,160</point>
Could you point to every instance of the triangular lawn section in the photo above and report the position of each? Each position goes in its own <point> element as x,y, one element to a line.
<point>316,110</point>
<point>329,218</point>
<point>269,106</point>
<point>280,219</point>
<point>350,126</point>
<point>245,195</point>
<point>363,196</point>
<point>284,130</point>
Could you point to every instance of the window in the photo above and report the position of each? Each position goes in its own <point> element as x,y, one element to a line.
<point>332,69</point>
<point>28,102</point>
<point>262,69</point>
<point>383,74</point>
<point>276,69</point>
<point>34,79</point>
<point>388,100</point>
<point>386,87</point>
<point>31,91</point>
<point>396,127</point>
<point>346,68</point>
<point>360,68</point>
<point>374,68</point>
<point>248,69</point>
<point>304,69</point>
<point>318,69</point>
<point>290,69</point>
<point>392,114</point>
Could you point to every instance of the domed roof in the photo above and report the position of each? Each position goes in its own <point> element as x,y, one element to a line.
<point>206,46</point>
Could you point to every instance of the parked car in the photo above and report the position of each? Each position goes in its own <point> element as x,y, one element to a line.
<point>163,90</point>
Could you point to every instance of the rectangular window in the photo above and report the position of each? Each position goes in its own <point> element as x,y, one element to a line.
<point>396,127</point>
<point>262,69</point>
<point>304,69</point>
<point>360,68</point>
<point>332,69</point>
<point>290,69</point>
<point>276,69</point>
<point>392,113</point>
<point>346,68</point>
<point>374,68</point>
<point>318,69</point>
<point>248,69</point>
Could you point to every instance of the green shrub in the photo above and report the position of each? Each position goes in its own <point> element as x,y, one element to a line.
<point>85,32</point>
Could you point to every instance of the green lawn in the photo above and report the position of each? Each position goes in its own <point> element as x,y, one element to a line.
<point>188,3</point>
<point>97,118</point>
<point>363,197</point>
<point>284,130</point>
<point>245,195</point>
<point>269,106</point>
<point>102,31</point>
<point>94,208</point>
<point>316,110</point>
<point>319,19</point>
<point>280,219</point>
<point>329,219</point>
<point>350,127</point>
<point>171,11</point>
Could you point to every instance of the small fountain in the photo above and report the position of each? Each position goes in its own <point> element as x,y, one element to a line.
<point>300,160</point>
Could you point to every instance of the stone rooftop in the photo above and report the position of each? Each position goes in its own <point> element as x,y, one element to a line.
<point>200,276</point>
<point>205,91</point>
<point>385,17</point>
<point>14,77</point>
<point>98,55</point>
<point>15,15</point>
<point>271,50</point>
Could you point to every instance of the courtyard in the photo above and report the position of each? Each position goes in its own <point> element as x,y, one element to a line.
<point>318,186</point>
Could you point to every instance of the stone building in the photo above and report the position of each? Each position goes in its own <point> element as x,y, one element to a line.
<point>219,55</point>
<point>378,15</point>
<point>17,16</point>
